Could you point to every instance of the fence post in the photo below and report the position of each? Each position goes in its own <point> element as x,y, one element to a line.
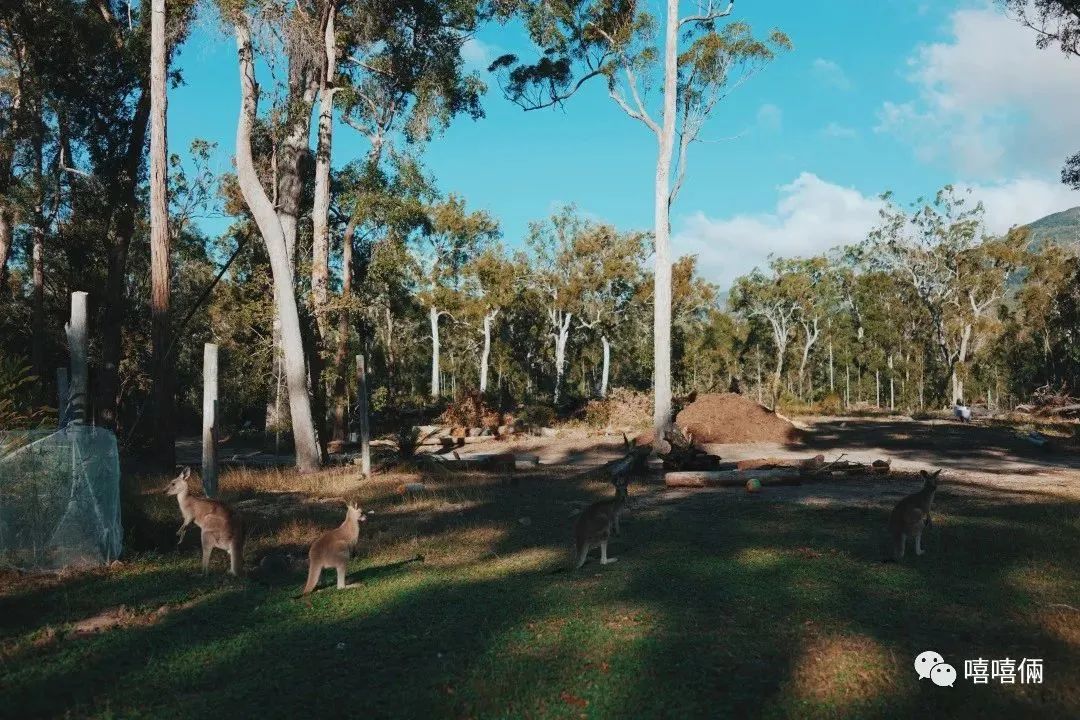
<point>362,402</point>
<point>76,335</point>
<point>210,420</point>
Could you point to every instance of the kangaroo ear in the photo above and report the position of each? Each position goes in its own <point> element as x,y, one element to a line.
<point>924,473</point>
<point>936,473</point>
<point>185,473</point>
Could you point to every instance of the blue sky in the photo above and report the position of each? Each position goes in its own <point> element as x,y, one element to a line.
<point>886,95</point>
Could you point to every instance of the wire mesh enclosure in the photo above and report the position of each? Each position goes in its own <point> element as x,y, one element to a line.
<point>59,498</point>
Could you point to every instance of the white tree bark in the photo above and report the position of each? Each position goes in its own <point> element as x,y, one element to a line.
<point>811,332</point>
<point>433,317</point>
<point>607,366</point>
<point>210,427</point>
<point>485,354</point>
<point>561,322</point>
<point>662,232</point>
<point>308,456</point>
<point>320,213</point>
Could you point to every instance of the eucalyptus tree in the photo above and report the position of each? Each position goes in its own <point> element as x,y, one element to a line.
<point>957,272</point>
<point>275,236</point>
<point>454,235</point>
<point>774,299</point>
<point>695,60</point>
<point>611,273</point>
<point>491,279</point>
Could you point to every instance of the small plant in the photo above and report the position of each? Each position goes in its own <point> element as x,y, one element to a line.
<point>538,415</point>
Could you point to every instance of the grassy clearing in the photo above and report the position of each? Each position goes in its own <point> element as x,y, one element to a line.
<point>721,605</point>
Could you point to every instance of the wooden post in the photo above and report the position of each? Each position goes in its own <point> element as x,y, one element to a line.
<point>210,421</point>
<point>362,402</point>
<point>76,336</point>
<point>877,384</point>
<point>847,386</point>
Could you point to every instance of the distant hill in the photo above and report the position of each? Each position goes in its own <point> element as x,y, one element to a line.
<point>1062,228</point>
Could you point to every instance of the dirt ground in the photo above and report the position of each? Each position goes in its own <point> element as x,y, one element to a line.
<point>976,458</point>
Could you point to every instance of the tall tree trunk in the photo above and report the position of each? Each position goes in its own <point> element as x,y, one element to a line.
<point>562,337</point>
<point>320,213</point>
<point>341,403</point>
<point>607,366</point>
<point>307,446</point>
<point>160,241</point>
<point>433,317</point>
<point>662,232</point>
<point>288,162</point>
<point>485,353</point>
<point>124,200</point>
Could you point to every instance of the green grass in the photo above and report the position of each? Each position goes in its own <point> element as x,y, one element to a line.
<point>721,605</point>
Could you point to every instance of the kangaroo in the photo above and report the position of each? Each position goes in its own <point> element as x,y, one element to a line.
<point>595,525</point>
<point>912,515</point>
<point>334,547</point>
<point>219,526</point>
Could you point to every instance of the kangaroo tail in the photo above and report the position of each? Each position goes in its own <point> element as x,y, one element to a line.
<point>312,578</point>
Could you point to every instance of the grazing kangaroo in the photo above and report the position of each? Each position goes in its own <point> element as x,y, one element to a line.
<point>334,547</point>
<point>219,526</point>
<point>595,525</point>
<point>912,515</point>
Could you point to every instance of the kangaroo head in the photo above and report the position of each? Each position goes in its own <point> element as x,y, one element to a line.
<point>179,483</point>
<point>354,513</point>
<point>930,480</point>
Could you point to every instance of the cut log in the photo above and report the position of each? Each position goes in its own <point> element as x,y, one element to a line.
<point>734,478</point>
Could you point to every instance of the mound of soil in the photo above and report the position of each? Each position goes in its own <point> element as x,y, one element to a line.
<point>731,418</point>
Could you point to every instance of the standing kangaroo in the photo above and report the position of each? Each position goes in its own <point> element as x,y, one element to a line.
<point>595,525</point>
<point>912,515</point>
<point>219,526</point>
<point>334,548</point>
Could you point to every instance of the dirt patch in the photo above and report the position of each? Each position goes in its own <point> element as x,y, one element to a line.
<point>731,418</point>
<point>621,408</point>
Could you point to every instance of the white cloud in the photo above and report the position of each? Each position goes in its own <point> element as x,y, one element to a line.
<point>1021,201</point>
<point>990,104</point>
<point>842,132</point>
<point>478,54</point>
<point>811,216</point>
<point>830,74</point>
<point>770,117</point>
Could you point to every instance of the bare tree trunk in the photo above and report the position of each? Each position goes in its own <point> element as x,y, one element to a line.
<point>433,318</point>
<point>308,456</point>
<point>892,386</point>
<point>607,366</point>
<point>320,213</point>
<point>562,336</point>
<point>485,353</point>
<point>877,384</point>
<point>160,241</point>
<point>832,374</point>
<point>341,405</point>
<point>847,386</point>
<point>662,232</point>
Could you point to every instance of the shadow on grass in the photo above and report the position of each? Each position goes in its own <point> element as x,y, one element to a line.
<point>719,607</point>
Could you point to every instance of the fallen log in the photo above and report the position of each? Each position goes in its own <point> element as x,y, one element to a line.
<point>736,478</point>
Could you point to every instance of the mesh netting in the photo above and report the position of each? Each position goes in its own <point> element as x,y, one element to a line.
<point>59,498</point>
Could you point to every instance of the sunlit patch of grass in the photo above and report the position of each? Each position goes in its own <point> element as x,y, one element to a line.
<point>842,672</point>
